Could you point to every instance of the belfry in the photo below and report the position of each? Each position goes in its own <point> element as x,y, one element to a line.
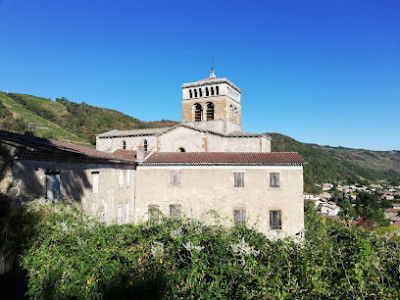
<point>212,103</point>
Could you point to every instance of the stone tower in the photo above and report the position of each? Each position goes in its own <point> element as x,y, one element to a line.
<point>213,104</point>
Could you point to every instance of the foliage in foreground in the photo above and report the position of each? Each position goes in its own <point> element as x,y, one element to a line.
<point>74,256</point>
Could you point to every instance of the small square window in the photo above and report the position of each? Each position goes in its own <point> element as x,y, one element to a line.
<point>239,217</point>
<point>275,219</point>
<point>175,177</point>
<point>175,211</point>
<point>239,179</point>
<point>274,180</point>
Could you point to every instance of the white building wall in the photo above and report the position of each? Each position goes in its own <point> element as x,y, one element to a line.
<point>203,190</point>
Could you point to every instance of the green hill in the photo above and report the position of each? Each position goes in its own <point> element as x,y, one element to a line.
<point>62,119</point>
<point>331,164</point>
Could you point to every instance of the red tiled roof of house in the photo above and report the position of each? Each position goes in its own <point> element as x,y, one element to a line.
<point>244,158</point>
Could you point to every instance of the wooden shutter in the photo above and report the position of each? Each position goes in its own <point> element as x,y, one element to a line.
<point>239,217</point>
<point>239,179</point>
<point>154,212</point>
<point>275,219</point>
<point>175,211</point>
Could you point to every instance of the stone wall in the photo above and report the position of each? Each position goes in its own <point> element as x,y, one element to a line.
<point>26,180</point>
<point>204,189</point>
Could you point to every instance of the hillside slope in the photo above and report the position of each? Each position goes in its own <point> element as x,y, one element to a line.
<point>62,119</point>
<point>334,165</point>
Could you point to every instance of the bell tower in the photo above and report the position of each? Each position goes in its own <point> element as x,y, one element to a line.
<point>213,104</point>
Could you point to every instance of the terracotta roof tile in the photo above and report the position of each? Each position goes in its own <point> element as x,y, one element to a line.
<point>247,158</point>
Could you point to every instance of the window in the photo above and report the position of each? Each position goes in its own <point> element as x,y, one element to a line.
<point>53,185</point>
<point>217,90</point>
<point>175,177</point>
<point>123,144</point>
<point>274,180</point>
<point>175,211</point>
<point>239,179</point>
<point>127,213</point>
<point>195,93</point>
<point>120,214</point>
<point>181,149</point>
<point>95,182</point>
<point>154,212</point>
<point>190,94</point>
<point>121,178</point>
<point>128,177</point>
<point>210,111</point>
<point>198,111</point>
<point>212,91</point>
<point>275,219</point>
<point>239,217</point>
<point>207,92</point>
<point>200,92</point>
<point>145,145</point>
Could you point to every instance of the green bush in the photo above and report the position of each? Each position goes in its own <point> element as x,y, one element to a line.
<point>70,255</point>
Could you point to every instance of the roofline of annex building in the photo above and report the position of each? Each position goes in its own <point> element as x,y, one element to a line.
<point>167,129</point>
<point>210,82</point>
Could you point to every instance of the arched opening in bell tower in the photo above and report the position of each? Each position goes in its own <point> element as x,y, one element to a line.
<point>210,111</point>
<point>198,112</point>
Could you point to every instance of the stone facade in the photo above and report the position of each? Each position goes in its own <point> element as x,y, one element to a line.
<point>203,190</point>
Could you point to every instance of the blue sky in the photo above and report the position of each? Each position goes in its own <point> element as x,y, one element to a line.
<point>325,72</point>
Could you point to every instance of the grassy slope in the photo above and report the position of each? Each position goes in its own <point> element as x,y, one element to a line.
<point>47,128</point>
<point>64,120</point>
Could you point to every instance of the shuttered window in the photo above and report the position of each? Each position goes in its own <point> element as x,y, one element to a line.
<point>175,211</point>
<point>154,212</point>
<point>275,219</point>
<point>239,179</point>
<point>175,177</point>
<point>239,217</point>
<point>274,180</point>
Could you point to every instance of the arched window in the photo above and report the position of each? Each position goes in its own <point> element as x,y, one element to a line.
<point>123,144</point>
<point>198,112</point>
<point>181,149</point>
<point>217,90</point>
<point>207,92</point>
<point>210,111</point>
<point>145,145</point>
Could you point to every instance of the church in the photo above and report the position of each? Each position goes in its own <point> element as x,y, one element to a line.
<point>211,122</point>
<point>205,168</point>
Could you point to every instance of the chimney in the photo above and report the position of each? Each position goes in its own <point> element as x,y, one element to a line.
<point>140,153</point>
